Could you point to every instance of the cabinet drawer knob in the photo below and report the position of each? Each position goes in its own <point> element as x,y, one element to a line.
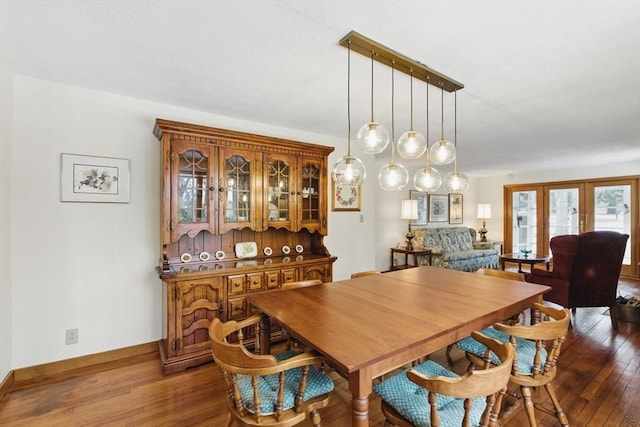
<point>255,282</point>
<point>273,279</point>
<point>288,277</point>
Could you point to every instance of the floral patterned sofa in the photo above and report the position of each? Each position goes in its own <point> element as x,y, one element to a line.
<point>455,248</point>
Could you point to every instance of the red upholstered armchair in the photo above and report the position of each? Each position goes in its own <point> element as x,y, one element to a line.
<point>586,268</point>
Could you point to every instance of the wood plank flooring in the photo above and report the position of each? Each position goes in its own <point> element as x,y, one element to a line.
<point>598,385</point>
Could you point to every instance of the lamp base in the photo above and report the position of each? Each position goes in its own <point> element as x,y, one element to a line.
<point>409,236</point>
<point>483,232</point>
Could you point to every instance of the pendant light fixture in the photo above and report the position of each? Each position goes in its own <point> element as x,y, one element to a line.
<point>411,144</point>
<point>372,137</point>
<point>349,170</point>
<point>393,176</point>
<point>456,182</point>
<point>427,179</point>
<point>442,152</point>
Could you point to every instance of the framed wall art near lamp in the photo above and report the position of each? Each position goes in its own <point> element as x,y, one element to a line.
<point>438,208</point>
<point>455,209</point>
<point>421,197</point>
<point>346,197</point>
<point>94,179</point>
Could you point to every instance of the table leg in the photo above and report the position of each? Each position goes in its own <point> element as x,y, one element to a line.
<point>502,264</point>
<point>264,339</point>
<point>360,384</point>
<point>520,268</point>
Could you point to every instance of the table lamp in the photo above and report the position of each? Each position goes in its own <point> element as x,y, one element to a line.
<point>484,213</point>
<point>409,212</point>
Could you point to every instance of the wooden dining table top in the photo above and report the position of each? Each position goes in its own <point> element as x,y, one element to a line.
<point>370,325</point>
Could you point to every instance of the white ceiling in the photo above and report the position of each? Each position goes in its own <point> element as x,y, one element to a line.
<point>547,83</point>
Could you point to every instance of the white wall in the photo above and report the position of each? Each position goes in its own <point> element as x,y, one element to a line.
<point>91,265</point>
<point>6,100</point>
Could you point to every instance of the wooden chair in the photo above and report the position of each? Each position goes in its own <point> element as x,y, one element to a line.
<point>279,390</point>
<point>537,351</point>
<point>364,273</point>
<point>429,394</point>
<point>510,275</point>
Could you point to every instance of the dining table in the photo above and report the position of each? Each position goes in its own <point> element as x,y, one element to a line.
<point>371,325</point>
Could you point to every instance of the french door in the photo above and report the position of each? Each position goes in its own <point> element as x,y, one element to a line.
<point>535,213</point>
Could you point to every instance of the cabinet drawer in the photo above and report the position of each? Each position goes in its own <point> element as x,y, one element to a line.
<point>236,308</point>
<point>289,275</point>
<point>235,284</point>
<point>254,281</point>
<point>272,279</point>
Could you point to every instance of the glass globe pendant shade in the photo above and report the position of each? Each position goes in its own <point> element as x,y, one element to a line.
<point>411,145</point>
<point>372,138</point>
<point>456,182</point>
<point>442,152</point>
<point>427,179</point>
<point>349,170</point>
<point>393,176</point>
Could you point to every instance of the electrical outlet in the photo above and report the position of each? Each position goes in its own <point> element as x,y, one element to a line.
<point>71,336</point>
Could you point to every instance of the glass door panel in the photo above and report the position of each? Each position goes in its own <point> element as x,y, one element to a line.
<point>612,212</point>
<point>192,187</point>
<point>310,192</point>
<point>525,221</point>
<point>280,190</point>
<point>563,212</point>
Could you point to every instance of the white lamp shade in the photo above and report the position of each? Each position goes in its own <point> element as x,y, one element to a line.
<point>484,211</point>
<point>409,209</point>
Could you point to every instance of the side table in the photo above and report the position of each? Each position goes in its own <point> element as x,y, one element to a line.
<point>415,253</point>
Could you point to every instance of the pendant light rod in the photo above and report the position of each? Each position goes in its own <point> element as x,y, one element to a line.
<point>455,128</point>
<point>411,122</point>
<point>384,55</point>
<point>393,121</point>
<point>372,55</point>
<point>349,97</point>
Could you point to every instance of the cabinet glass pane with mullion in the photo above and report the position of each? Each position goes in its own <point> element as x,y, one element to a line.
<point>192,182</point>
<point>279,179</point>
<point>310,192</point>
<point>237,176</point>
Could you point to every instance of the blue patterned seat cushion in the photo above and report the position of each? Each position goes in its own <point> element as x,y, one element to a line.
<point>317,385</point>
<point>526,350</point>
<point>411,401</point>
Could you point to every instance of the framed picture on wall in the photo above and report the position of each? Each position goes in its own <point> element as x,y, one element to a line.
<point>455,208</point>
<point>94,179</point>
<point>438,208</point>
<point>346,197</point>
<point>421,197</point>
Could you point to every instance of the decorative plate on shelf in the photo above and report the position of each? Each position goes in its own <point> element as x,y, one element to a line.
<point>246,249</point>
<point>299,249</point>
<point>267,251</point>
<point>286,250</point>
<point>185,257</point>
<point>204,256</point>
<point>220,255</point>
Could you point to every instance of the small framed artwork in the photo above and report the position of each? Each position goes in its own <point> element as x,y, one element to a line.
<point>421,197</point>
<point>455,208</point>
<point>438,208</point>
<point>94,179</point>
<point>345,197</point>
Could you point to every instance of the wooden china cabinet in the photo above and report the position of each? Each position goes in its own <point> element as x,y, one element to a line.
<point>221,188</point>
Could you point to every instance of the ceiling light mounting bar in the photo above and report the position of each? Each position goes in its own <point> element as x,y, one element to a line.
<point>384,55</point>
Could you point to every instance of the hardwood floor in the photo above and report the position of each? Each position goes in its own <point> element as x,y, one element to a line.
<point>598,384</point>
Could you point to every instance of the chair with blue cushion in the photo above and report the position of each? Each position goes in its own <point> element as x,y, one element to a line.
<point>430,395</point>
<point>537,351</point>
<point>267,390</point>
